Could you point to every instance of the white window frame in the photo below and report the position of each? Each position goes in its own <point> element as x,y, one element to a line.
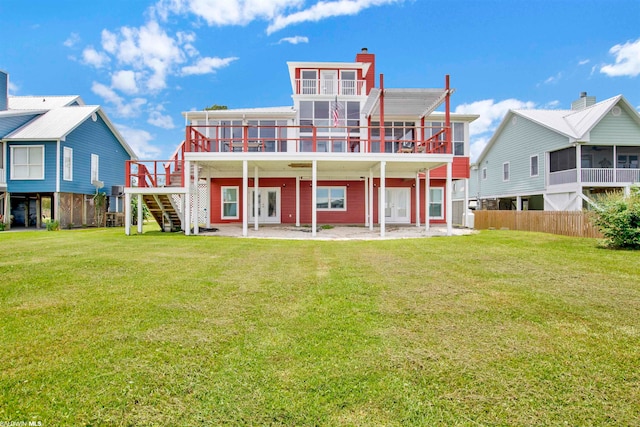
<point>29,165</point>
<point>531,174</point>
<point>329,188</point>
<point>432,202</point>
<point>67,164</point>
<point>95,168</point>
<point>484,174</point>
<point>311,89</point>
<point>223,202</point>
<point>506,171</point>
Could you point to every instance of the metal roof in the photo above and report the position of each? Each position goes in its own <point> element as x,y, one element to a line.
<point>239,113</point>
<point>54,124</point>
<point>404,102</point>
<point>42,102</point>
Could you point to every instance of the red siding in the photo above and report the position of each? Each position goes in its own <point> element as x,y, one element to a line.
<point>356,208</point>
<point>370,77</point>
<point>459,169</point>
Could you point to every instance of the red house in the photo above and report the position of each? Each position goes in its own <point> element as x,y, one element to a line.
<point>345,152</point>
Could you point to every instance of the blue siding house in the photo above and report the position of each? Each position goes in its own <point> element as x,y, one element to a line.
<point>56,153</point>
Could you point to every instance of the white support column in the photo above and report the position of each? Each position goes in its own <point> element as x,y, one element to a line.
<point>449,213</point>
<point>417,200</point>
<point>370,207</point>
<point>187,198</point>
<point>127,214</point>
<point>256,195</point>
<point>427,185</point>
<point>465,209</point>
<point>366,202</point>
<point>196,200</point>
<point>383,198</point>
<point>245,198</point>
<point>518,203</point>
<point>314,197</point>
<point>297,201</point>
<point>140,212</point>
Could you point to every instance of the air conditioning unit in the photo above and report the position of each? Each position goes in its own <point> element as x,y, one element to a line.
<point>117,190</point>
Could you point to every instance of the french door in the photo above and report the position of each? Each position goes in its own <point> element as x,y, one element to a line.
<point>397,205</point>
<point>268,205</point>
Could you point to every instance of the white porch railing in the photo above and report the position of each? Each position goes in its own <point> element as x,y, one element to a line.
<point>563,177</point>
<point>612,175</point>
<point>329,87</point>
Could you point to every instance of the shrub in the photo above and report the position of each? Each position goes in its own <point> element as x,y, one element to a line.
<point>618,218</point>
<point>2,226</point>
<point>52,225</point>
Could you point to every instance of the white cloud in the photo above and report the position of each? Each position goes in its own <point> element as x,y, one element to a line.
<point>207,65</point>
<point>140,141</point>
<point>584,62</point>
<point>491,114</point>
<point>627,62</point>
<point>125,81</point>
<point>121,107</point>
<point>553,79</point>
<point>156,118</point>
<point>74,39</point>
<point>294,40</point>
<point>92,57</point>
<point>323,10</point>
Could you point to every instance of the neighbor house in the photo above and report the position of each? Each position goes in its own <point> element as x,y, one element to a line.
<point>559,160</point>
<point>56,153</point>
<point>345,152</point>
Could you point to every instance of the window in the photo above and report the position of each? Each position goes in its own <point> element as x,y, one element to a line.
<point>533,165</point>
<point>562,160</point>
<point>27,162</point>
<point>230,203</point>
<point>67,164</point>
<point>331,198</point>
<point>436,210</point>
<point>484,173</point>
<point>95,168</point>
<point>348,82</point>
<point>458,139</point>
<point>309,82</point>
<point>505,171</point>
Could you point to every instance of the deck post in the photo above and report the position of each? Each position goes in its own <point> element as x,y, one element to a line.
<point>449,213</point>
<point>418,199</point>
<point>140,212</point>
<point>314,197</point>
<point>382,217</point>
<point>187,194</point>
<point>427,174</point>
<point>245,198</point>
<point>127,214</point>
<point>256,197</point>
<point>297,201</point>
<point>196,202</point>
<point>366,202</point>
<point>370,207</point>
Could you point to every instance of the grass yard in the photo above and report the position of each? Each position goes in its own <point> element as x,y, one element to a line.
<point>498,328</point>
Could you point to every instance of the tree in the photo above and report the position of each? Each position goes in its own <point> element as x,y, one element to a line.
<point>217,107</point>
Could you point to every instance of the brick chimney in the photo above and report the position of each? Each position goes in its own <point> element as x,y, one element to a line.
<point>370,77</point>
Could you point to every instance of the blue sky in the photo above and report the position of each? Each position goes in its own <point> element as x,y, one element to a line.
<point>146,62</point>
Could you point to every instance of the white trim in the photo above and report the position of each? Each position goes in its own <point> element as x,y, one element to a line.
<point>13,165</point>
<point>95,167</point>
<point>441,202</point>
<point>67,167</point>
<point>531,175</point>
<point>506,174</point>
<point>222,201</point>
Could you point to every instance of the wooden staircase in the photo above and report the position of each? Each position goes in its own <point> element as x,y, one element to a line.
<point>163,211</point>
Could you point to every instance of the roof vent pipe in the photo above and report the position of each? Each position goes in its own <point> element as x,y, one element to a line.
<point>365,50</point>
<point>583,94</point>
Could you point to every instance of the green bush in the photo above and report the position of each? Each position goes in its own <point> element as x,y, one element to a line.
<point>2,226</point>
<point>618,218</point>
<point>52,225</point>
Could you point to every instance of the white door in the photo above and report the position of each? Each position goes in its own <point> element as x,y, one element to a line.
<point>268,205</point>
<point>398,204</point>
<point>329,82</point>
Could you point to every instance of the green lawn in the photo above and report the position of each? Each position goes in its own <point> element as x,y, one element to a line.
<point>498,328</point>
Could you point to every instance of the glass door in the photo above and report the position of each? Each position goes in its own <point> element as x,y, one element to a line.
<point>397,207</point>
<point>329,82</point>
<point>268,205</point>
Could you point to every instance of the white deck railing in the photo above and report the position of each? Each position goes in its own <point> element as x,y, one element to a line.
<point>330,87</point>
<point>595,175</point>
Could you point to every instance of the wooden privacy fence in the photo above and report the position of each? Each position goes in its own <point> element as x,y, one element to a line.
<point>575,224</point>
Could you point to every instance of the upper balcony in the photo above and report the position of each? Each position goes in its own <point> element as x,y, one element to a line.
<point>596,165</point>
<point>330,87</point>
